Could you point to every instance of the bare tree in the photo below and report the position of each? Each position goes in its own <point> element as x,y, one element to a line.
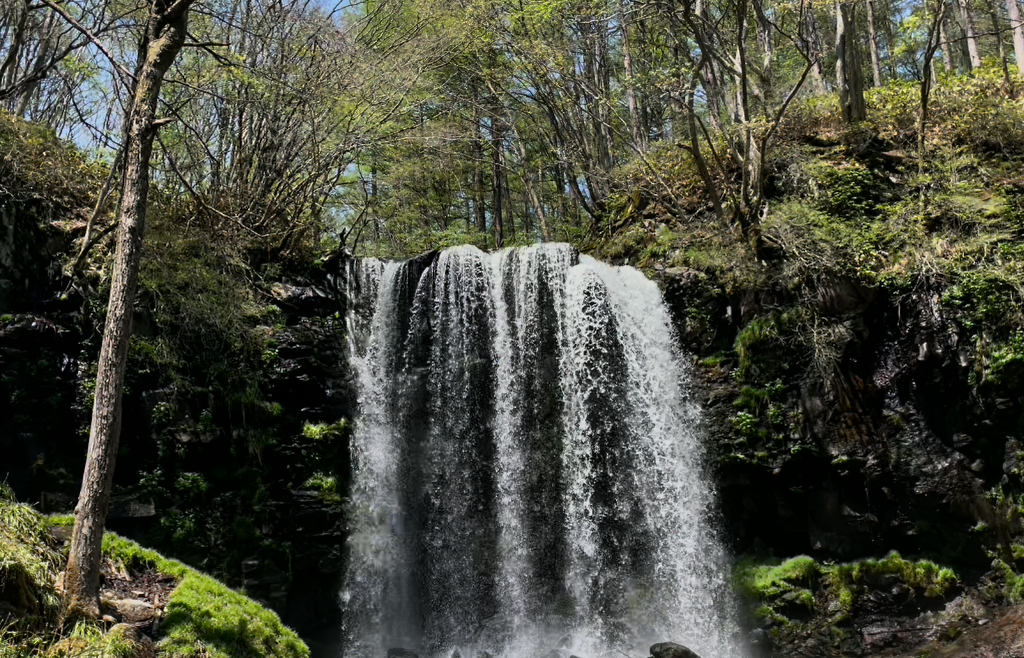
<point>164,36</point>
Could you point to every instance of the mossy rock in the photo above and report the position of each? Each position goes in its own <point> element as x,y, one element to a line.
<point>203,617</point>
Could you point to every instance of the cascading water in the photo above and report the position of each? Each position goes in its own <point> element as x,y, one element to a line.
<point>527,475</point>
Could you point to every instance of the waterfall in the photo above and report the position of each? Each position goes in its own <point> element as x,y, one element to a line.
<point>527,475</point>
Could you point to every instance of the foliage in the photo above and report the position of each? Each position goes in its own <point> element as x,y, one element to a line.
<point>203,617</point>
<point>42,175</point>
<point>28,563</point>
<point>966,110</point>
<point>833,589</point>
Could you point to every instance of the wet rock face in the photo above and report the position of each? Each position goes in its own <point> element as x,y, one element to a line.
<point>235,469</point>
<point>29,267</point>
<point>891,445</point>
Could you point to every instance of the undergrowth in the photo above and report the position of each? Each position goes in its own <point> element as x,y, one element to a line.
<point>203,618</point>
<point>834,589</point>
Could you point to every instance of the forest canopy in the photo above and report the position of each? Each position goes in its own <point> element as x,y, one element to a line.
<point>290,127</point>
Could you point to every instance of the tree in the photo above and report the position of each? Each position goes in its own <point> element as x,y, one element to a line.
<point>970,33</point>
<point>1017,24</point>
<point>849,73</point>
<point>876,66</point>
<point>163,38</point>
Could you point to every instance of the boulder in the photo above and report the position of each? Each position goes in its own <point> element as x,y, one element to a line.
<point>134,611</point>
<point>671,650</point>
<point>142,645</point>
<point>398,652</point>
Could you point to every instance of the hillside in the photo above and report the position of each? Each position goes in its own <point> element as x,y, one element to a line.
<point>151,605</point>
<point>859,356</point>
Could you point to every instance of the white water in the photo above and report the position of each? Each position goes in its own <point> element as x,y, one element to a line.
<point>527,473</point>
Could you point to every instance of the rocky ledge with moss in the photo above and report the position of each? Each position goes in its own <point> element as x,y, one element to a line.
<point>150,604</point>
<point>861,370</point>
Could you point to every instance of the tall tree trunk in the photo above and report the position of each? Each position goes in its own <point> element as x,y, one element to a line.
<point>970,33</point>
<point>479,206</point>
<point>45,36</point>
<point>815,50</point>
<point>993,12</point>
<point>1013,11</point>
<point>510,215</point>
<point>635,122</point>
<point>876,66</point>
<point>849,75</point>
<point>891,62</point>
<point>947,46</point>
<point>497,196</point>
<point>164,37</point>
<point>9,69</point>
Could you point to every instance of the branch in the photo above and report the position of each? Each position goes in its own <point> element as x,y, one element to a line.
<point>89,35</point>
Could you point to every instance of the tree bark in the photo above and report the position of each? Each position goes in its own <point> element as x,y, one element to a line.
<point>635,123</point>
<point>947,47</point>
<point>46,34</point>
<point>164,37</point>
<point>479,209</point>
<point>849,76</point>
<point>496,192</point>
<point>876,66</point>
<point>1017,24</point>
<point>970,33</point>
<point>993,11</point>
<point>815,50</point>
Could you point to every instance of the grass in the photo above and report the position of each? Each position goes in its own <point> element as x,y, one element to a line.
<point>203,617</point>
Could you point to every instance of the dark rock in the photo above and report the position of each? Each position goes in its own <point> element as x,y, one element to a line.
<point>760,639</point>
<point>131,507</point>
<point>142,645</point>
<point>134,611</point>
<point>61,533</point>
<point>671,650</point>
<point>398,652</point>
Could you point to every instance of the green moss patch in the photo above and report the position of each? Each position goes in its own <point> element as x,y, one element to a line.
<point>832,590</point>
<point>203,617</point>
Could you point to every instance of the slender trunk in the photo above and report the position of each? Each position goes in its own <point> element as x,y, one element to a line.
<point>849,76</point>
<point>639,142</point>
<point>876,66</point>
<point>496,193</point>
<point>970,33</point>
<point>947,47</point>
<point>815,50</point>
<point>530,194</point>
<point>9,69</point>
<point>1013,11</point>
<point>934,33</point>
<point>165,35</point>
<point>993,12</point>
<point>890,39</point>
<point>509,208</point>
<point>38,65</point>
<point>479,206</point>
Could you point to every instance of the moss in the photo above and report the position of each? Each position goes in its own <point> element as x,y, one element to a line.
<point>765,343</point>
<point>844,189</point>
<point>324,432</point>
<point>325,485</point>
<point>794,581</point>
<point>206,619</point>
<point>91,639</point>
<point>203,616</point>
<point>767,580</point>
<point>28,562</point>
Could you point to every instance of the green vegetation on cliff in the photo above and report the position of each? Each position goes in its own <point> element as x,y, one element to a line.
<point>201,617</point>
